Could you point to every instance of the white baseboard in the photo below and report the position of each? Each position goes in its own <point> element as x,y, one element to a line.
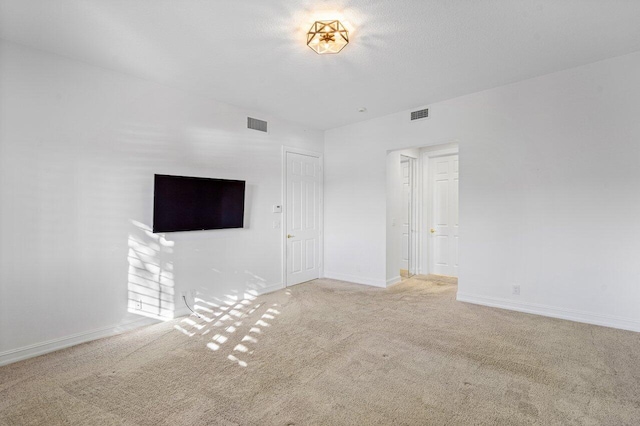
<point>30,351</point>
<point>394,280</point>
<point>552,311</point>
<point>271,288</point>
<point>355,279</point>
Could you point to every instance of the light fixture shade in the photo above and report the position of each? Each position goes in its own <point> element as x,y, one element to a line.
<point>327,37</point>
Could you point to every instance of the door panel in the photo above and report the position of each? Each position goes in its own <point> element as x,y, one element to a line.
<point>296,256</point>
<point>441,202</point>
<point>443,180</point>
<point>441,250</point>
<point>310,251</point>
<point>302,218</point>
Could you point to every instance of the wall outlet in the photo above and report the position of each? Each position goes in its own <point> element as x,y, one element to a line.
<point>516,289</point>
<point>193,292</point>
<point>139,304</point>
<point>183,294</point>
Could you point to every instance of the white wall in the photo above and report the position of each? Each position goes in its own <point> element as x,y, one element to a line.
<point>549,192</point>
<point>78,149</point>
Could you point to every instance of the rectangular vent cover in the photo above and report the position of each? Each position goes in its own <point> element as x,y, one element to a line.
<point>419,115</point>
<point>255,124</point>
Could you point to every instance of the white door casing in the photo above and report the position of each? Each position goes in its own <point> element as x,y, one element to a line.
<point>405,239</point>
<point>414,210</point>
<point>443,220</point>
<point>303,185</point>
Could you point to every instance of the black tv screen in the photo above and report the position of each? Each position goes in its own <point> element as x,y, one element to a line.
<point>183,203</point>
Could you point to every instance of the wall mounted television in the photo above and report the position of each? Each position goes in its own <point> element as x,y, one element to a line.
<point>182,203</point>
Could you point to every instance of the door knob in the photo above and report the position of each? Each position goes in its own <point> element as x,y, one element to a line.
<point>290,236</point>
<point>433,231</point>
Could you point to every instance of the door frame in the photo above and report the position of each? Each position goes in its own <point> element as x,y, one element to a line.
<point>425,261</point>
<point>283,223</point>
<point>413,266</point>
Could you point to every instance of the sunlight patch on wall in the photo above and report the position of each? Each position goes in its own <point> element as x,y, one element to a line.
<point>151,291</point>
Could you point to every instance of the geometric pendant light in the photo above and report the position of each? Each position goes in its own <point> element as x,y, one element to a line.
<point>327,37</point>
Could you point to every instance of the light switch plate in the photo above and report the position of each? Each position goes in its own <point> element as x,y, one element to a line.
<point>277,209</point>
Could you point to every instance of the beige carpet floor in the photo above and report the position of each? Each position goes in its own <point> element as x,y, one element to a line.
<point>328,352</point>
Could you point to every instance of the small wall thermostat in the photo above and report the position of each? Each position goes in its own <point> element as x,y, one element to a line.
<point>277,209</point>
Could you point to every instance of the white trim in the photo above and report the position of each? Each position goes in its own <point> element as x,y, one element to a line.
<point>36,349</point>
<point>414,222</point>
<point>355,280</point>
<point>394,280</point>
<point>271,288</point>
<point>415,230</point>
<point>442,152</point>
<point>283,223</point>
<point>552,311</point>
<point>423,215</point>
<point>300,151</point>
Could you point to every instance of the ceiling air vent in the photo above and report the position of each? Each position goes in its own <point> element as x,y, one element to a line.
<point>420,114</point>
<point>255,124</point>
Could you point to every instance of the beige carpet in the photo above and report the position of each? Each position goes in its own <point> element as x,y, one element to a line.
<point>328,352</point>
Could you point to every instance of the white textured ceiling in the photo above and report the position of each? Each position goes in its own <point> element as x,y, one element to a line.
<point>252,53</point>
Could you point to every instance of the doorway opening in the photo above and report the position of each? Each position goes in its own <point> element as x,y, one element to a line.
<point>422,212</point>
<point>407,216</point>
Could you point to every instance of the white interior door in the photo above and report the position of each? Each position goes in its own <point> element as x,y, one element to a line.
<point>302,218</point>
<point>443,180</point>
<point>405,202</point>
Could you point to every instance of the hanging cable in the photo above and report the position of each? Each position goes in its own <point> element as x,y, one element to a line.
<point>185,302</point>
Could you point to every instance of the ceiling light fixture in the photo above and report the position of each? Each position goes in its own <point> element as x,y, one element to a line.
<point>327,37</point>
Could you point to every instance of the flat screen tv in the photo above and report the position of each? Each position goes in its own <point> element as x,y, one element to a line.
<point>183,203</point>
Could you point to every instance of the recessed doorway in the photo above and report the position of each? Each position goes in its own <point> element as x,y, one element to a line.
<point>422,212</point>
<point>407,217</point>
